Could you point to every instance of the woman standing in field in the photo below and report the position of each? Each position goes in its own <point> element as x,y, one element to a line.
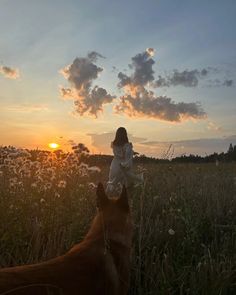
<point>122,164</point>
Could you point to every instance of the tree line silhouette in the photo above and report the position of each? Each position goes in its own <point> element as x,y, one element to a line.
<point>167,157</point>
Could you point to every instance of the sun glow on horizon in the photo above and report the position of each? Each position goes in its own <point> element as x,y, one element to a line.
<point>53,145</point>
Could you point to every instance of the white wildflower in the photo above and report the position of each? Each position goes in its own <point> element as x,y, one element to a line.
<point>92,185</point>
<point>62,184</point>
<point>57,195</point>
<point>94,169</point>
<point>48,185</point>
<point>171,232</point>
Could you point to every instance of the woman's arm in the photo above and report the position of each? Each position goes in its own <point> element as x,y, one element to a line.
<point>127,163</point>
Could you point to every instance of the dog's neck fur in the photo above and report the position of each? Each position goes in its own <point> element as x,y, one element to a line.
<point>100,230</point>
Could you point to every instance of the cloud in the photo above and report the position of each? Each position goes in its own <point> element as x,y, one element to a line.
<point>102,141</point>
<point>80,74</point>
<point>219,83</point>
<point>143,73</point>
<point>191,78</point>
<point>228,83</point>
<point>201,146</point>
<point>114,69</point>
<point>159,107</point>
<point>71,142</point>
<point>9,72</point>
<point>67,93</point>
<point>213,126</point>
<point>140,102</point>
<point>138,98</point>
<point>93,56</point>
<point>27,108</point>
<point>185,78</point>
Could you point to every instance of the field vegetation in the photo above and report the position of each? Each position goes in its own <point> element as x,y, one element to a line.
<point>184,215</point>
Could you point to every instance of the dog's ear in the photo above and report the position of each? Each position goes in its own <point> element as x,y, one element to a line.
<point>123,199</point>
<point>102,199</point>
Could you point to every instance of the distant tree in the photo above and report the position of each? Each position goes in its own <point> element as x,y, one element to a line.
<point>231,149</point>
<point>234,153</point>
<point>230,153</point>
<point>80,148</point>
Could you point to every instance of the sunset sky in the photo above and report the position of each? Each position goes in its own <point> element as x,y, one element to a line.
<point>74,71</point>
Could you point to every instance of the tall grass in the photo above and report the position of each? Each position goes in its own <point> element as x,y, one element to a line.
<point>185,237</point>
<point>185,221</point>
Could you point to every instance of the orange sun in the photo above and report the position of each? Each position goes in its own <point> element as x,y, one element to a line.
<point>53,145</point>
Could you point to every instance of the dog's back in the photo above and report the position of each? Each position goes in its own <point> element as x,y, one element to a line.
<point>98,265</point>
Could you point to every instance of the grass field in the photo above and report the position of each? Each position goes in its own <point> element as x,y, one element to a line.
<point>185,219</point>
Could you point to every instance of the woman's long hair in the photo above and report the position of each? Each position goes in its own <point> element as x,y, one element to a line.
<point>121,137</point>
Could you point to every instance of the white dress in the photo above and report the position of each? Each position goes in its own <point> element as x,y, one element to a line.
<point>121,169</point>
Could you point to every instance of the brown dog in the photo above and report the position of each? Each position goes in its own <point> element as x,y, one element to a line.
<point>99,265</point>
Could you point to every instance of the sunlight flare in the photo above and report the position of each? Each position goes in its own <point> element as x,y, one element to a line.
<point>53,145</point>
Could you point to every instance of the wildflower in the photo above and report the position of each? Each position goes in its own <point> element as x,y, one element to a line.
<point>171,232</point>
<point>47,185</point>
<point>7,161</point>
<point>57,195</point>
<point>13,180</point>
<point>83,165</point>
<point>28,174</point>
<point>94,169</point>
<point>92,185</point>
<point>62,184</point>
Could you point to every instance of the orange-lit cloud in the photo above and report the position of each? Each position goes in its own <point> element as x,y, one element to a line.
<point>140,102</point>
<point>9,72</point>
<point>80,74</point>
<point>213,126</point>
<point>102,141</point>
<point>200,146</point>
<point>27,108</point>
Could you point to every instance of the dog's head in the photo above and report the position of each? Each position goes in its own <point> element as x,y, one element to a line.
<point>115,214</point>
